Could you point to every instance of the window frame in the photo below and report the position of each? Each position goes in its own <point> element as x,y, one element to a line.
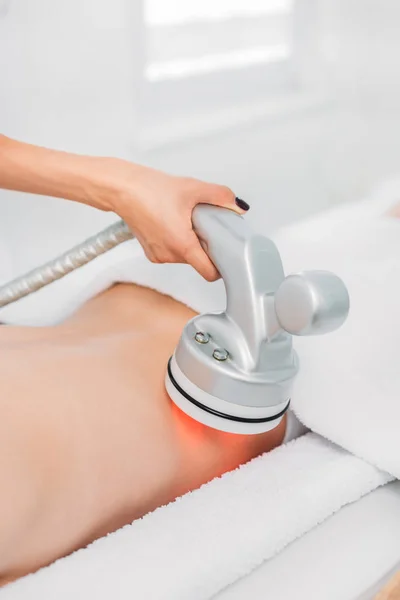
<point>176,103</point>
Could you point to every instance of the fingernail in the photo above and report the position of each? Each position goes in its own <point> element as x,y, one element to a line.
<point>242,204</point>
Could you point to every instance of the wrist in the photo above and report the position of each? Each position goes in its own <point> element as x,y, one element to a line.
<point>96,187</point>
<point>111,183</point>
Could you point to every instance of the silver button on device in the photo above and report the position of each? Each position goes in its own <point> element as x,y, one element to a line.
<point>220,354</point>
<point>202,338</point>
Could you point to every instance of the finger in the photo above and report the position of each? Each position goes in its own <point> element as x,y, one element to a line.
<point>198,259</point>
<point>223,196</point>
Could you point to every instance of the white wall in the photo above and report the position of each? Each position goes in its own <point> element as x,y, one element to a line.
<point>67,81</point>
<point>67,72</point>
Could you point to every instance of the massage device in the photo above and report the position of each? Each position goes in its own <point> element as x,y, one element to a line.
<point>232,370</point>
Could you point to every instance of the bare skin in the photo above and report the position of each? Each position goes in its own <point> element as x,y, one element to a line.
<point>89,440</point>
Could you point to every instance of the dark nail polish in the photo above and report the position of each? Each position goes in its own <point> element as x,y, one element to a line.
<point>242,204</point>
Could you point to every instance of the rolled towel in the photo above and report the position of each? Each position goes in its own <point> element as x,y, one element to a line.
<point>202,542</point>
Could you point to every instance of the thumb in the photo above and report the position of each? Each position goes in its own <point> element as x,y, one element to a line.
<point>223,196</point>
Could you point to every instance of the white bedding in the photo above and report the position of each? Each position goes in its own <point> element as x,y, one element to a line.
<point>347,557</point>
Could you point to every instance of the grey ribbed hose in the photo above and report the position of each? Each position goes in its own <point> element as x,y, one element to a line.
<point>57,268</point>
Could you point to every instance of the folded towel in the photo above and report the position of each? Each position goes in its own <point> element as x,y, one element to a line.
<point>194,547</point>
<point>349,382</point>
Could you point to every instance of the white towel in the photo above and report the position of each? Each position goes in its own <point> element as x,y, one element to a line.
<point>348,387</point>
<point>199,544</point>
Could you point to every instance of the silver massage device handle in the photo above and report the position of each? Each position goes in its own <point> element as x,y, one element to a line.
<point>233,370</point>
<point>260,300</point>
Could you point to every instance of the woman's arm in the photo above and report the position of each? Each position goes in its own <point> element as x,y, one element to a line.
<point>156,206</point>
<point>36,170</point>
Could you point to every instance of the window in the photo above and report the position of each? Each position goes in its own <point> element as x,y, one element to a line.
<point>204,62</point>
<point>187,38</point>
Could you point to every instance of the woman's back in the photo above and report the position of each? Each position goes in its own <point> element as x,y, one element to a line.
<point>89,439</point>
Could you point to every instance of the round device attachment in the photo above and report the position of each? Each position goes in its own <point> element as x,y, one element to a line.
<point>311,303</point>
<point>216,413</point>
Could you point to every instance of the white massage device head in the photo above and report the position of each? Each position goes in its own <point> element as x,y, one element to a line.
<point>233,370</point>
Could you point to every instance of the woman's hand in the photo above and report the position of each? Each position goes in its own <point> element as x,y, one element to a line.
<point>158,208</point>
